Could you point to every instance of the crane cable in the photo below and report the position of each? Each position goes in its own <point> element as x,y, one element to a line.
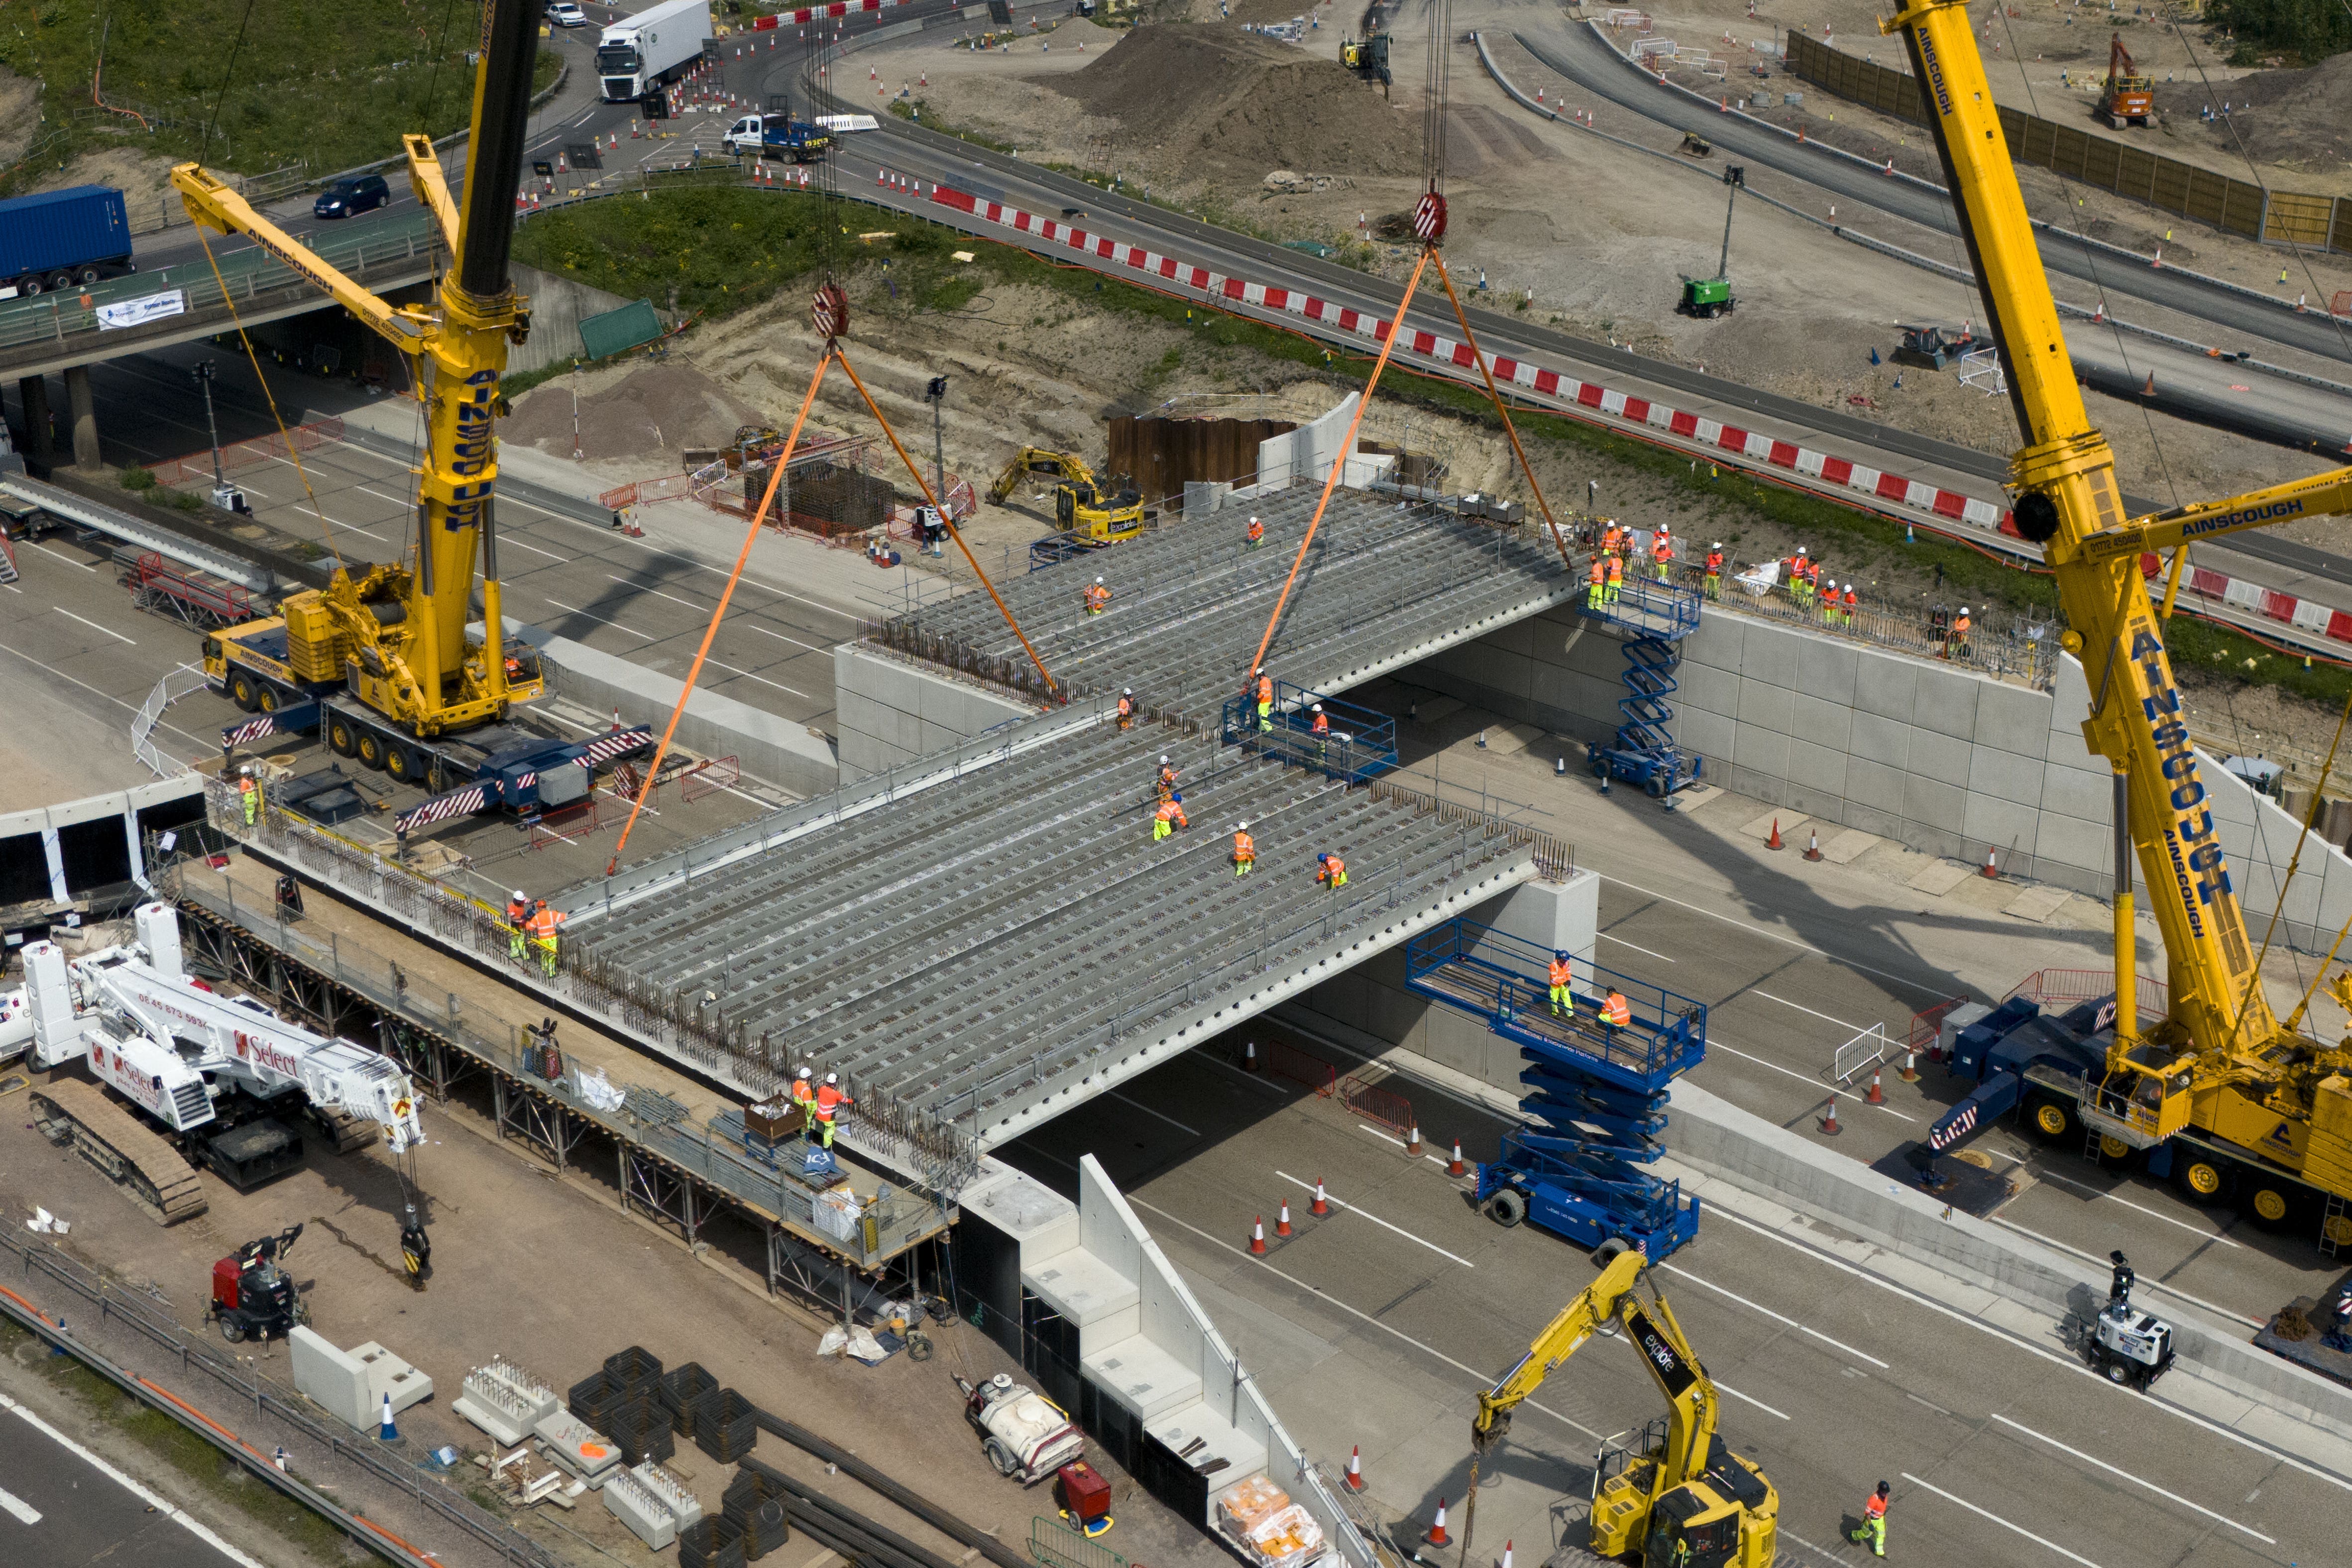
<point>2255,975</point>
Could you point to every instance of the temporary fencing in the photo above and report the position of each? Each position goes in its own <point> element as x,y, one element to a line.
<point>1390,1109</point>
<point>196,468</point>
<point>1309,1071</point>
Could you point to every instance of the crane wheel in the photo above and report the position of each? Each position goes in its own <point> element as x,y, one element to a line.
<point>339,739</point>
<point>2270,1205</point>
<point>2051,1119</point>
<point>371,748</point>
<point>1507,1207</point>
<point>2201,1179</point>
<point>267,701</point>
<point>399,762</point>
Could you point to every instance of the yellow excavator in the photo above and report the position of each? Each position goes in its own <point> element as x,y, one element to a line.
<point>1683,1499</point>
<point>2220,1092</point>
<point>1094,513</point>
<point>394,637</point>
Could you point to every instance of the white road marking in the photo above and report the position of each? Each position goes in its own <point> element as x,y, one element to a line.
<point>2152,1214</point>
<point>782,637</point>
<point>193,1526</point>
<point>2051,1241</point>
<point>93,626</point>
<point>1636,946</point>
<point>598,619</point>
<point>26,1512</point>
<point>1753,1307</point>
<point>1767,932</point>
<point>1824,1018</point>
<point>508,539</point>
<point>2005,1524</point>
<point>2136,1481</point>
<point>1715,1043</point>
<point>1751,1399</point>
<point>67,559</point>
<point>2157,1400</point>
<point>396,501</point>
<point>1148,1111</point>
<point>656,593</point>
<point>1392,1138</point>
<point>760,679</point>
<point>1363,1214</point>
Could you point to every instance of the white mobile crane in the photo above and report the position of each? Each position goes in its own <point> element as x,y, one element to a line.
<point>216,1072</point>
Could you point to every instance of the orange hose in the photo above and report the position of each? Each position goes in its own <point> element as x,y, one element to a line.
<point>1339,462</point>
<point>759,520</point>
<point>953,532</point>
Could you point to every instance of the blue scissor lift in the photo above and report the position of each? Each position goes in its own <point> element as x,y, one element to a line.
<point>1597,1094</point>
<point>1658,616</point>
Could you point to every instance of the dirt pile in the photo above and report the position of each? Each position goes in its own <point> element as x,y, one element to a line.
<point>1226,105</point>
<point>651,411</point>
<point>2292,116</point>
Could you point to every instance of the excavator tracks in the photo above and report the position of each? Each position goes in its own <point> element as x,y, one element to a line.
<point>114,1140</point>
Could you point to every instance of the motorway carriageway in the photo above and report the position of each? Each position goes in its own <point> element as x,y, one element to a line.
<point>1377,1326</point>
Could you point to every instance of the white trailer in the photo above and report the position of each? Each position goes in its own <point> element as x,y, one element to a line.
<point>637,54</point>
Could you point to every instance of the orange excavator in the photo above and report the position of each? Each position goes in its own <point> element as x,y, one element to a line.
<point>2130,96</point>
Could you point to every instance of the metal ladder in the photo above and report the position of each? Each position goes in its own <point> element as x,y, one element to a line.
<point>2333,1224</point>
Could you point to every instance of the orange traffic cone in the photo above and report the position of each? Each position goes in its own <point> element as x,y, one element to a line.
<point>1813,846</point>
<point>1991,869</point>
<point>1413,1142</point>
<point>1507,1555</point>
<point>1249,1056</point>
<point>1910,1072</point>
<point>1356,1468</point>
<point>1321,1206</point>
<point>1281,1219</point>
<point>1257,1236</point>
<point>1454,1167</point>
<point>1828,1123</point>
<point>1878,1095</point>
<point>2150,390</point>
<point>1437,1536</point>
<point>1774,841</point>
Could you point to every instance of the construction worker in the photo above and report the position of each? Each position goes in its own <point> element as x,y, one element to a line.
<point>1596,585</point>
<point>1615,1012</point>
<point>248,794</point>
<point>1244,849</point>
<point>830,1099</point>
<point>1097,597</point>
<point>1127,709</point>
<point>1662,552</point>
<point>1956,644</point>
<point>1265,701</point>
<point>1611,542</point>
<point>1798,566</point>
<point>1167,776</point>
<point>1256,533</point>
<point>1169,818</point>
<point>1873,1533</point>
<point>542,935</point>
<point>1331,871</point>
<point>1848,605</point>
<point>804,1096</point>
<point>1830,605</point>
<point>1616,579</point>
<point>518,911</point>
<point>1563,1002</point>
<point>1715,571</point>
<point>1321,724</point>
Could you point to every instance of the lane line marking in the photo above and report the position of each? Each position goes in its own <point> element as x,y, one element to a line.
<point>782,637</point>
<point>194,1525</point>
<point>1392,1138</point>
<point>67,559</point>
<point>1636,946</point>
<point>396,500</point>
<point>93,626</point>
<point>761,584</point>
<point>111,697</point>
<point>2154,1285</point>
<point>600,620</point>
<point>1365,1213</point>
<point>1148,1111</point>
<point>2152,1214</point>
<point>1996,1518</point>
<point>1770,934</point>
<point>2136,1481</point>
<point>1750,1398</point>
<point>656,593</point>
<point>1753,1307</point>
<point>2269,1451</point>
<point>760,679</point>
<point>535,550</point>
<point>1824,1018</point>
<point>1715,1043</point>
<point>26,1512</point>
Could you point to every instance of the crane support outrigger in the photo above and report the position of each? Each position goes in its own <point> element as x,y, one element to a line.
<point>1684,1501</point>
<point>2220,1064</point>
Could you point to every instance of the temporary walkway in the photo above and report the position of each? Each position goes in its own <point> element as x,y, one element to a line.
<point>1387,583</point>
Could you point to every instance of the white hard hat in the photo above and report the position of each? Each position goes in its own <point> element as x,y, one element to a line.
<point>1163,758</point>
<point>1241,826</point>
<point>1319,708</point>
<point>1129,691</point>
<point>1964,609</point>
<point>1097,582</point>
<point>830,1077</point>
<point>1801,550</point>
<point>1716,545</point>
<point>805,1072</point>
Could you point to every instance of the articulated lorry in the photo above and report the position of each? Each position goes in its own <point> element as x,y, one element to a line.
<point>61,239</point>
<point>636,55</point>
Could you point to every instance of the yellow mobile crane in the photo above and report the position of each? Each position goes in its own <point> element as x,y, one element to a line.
<point>394,636</point>
<point>1685,1500</point>
<point>2221,1091</point>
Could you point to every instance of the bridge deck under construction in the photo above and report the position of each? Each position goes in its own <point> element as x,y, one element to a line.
<point>1387,584</point>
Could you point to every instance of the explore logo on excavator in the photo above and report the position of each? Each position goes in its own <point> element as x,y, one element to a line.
<point>2196,862</point>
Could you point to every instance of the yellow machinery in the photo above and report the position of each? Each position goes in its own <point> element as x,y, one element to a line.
<point>2221,1063</point>
<point>1096,513</point>
<point>395,635</point>
<point>1685,1500</point>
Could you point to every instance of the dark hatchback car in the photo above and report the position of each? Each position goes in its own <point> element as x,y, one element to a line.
<point>346,197</point>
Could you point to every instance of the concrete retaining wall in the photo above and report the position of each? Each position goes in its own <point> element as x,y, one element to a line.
<point>1942,759</point>
<point>557,305</point>
<point>889,709</point>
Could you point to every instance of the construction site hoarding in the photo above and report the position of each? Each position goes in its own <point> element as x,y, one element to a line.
<point>617,331</point>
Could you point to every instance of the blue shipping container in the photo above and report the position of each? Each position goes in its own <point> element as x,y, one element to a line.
<point>67,234</point>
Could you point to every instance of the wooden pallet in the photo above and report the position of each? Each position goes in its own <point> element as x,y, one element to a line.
<point>119,1144</point>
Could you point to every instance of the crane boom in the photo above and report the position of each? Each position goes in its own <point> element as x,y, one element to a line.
<point>2221,1058</point>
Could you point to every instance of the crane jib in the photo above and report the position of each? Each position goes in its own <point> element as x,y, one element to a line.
<point>1935,70</point>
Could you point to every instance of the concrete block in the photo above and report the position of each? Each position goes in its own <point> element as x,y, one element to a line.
<point>1946,702</point>
<point>1874,820</point>
<point>1934,804</point>
<point>1705,687</point>
<point>1720,641</point>
<point>1761,750</point>
<point>1813,800</point>
<point>578,1446</point>
<point>525,1385</point>
<point>2006,775</point>
<point>1821,769</point>
<point>502,1426</point>
<point>674,1493</point>
<point>1878,738</point>
<point>1848,847</point>
<point>1939,877</point>
<point>1711,735</point>
<point>634,1504</point>
<point>2088,797</point>
<point>1760,829</point>
<point>1766,706</point>
<point>1876,786</point>
<point>1769,654</point>
<point>1885,684</point>
<point>1938,756</point>
<point>1821,724</point>
<point>2013,719</point>
<point>2005,824</point>
<point>1825,669</point>
<point>1771,788</point>
<point>1142,1376</point>
<point>335,1381</point>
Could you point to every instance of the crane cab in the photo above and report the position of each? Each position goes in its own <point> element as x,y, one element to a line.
<point>1726,1518</point>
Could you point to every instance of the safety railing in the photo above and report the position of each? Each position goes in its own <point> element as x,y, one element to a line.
<point>2065,988</point>
<point>1478,968</point>
<point>1354,744</point>
<point>1928,1026</point>
<point>114,1303</point>
<point>1866,1050</point>
<point>174,685</point>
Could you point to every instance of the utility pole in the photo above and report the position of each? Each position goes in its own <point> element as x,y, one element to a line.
<point>936,394</point>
